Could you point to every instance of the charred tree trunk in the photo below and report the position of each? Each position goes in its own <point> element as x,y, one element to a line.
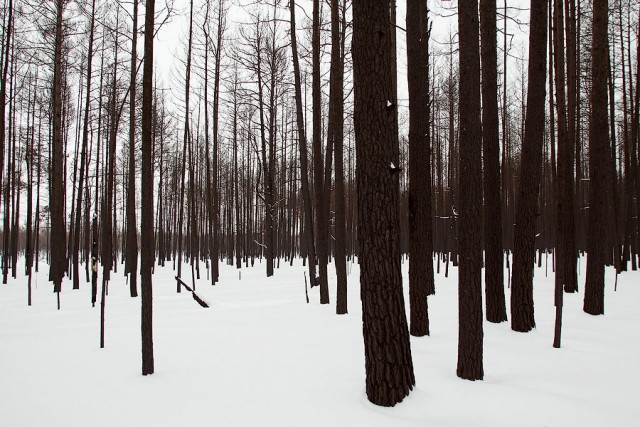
<point>598,153</point>
<point>336,113</point>
<point>318,173</point>
<point>147,238</point>
<point>389,368</point>
<point>131,259</point>
<point>494,271</point>
<point>522,317</point>
<point>420,232</point>
<point>470,335</point>
<point>56,189</point>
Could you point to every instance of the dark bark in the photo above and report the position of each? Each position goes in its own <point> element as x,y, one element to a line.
<point>522,314</point>
<point>146,229</point>
<point>94,261</point>
<point>336,113</point>
<point>57,187</point>
<point>83,154</point>
<point>494,264</point>
<point>3,86</point>
<point>131,259</point>
<point>567,238</point>
<point>318,168</point>
<point>420,232</point>
<point>302,144</point>
<point>388,364</point>
<point>598,152</point>
<point>470,334</point>
<point>565,249</point>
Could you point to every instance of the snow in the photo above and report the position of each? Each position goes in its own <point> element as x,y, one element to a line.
<point>262,356</point>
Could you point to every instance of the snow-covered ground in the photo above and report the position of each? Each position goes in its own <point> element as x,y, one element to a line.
<point>261,356</point>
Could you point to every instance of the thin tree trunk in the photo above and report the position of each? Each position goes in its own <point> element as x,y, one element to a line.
<point>420,232</point>
<point>494,270</point>
<point>302,143</point>
<point>131,259</point>
<point>146,229</point>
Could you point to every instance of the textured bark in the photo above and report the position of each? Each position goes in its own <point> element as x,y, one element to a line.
<point>388,364</point>
<point>146,229</point>
<point>522,314</point>
<point>598,153</point>
<point>336,113</point>
<point>470,334</point>
<point>494,271</point>
<point>56,188</point>
<point>420,232</point>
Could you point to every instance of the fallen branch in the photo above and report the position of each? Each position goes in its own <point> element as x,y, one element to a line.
<point>199,300</point>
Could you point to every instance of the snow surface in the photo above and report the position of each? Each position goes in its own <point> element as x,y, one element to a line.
<point>261,356</point>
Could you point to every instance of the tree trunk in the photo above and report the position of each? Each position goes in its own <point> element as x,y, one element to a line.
<point>598,153</point>
<point>389,368</point>
<point>146,229</point>
<point>57,186</point>
<point>522,317</point>
<point>131,259</point>
<point>302,144</point>
<point>420,232</point>
<point>494,274</point>
<point>321,220</point>
<point>470,365</point>
<point>336,113</point>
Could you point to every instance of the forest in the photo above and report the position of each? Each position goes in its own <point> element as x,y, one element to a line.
<point>409,164</point>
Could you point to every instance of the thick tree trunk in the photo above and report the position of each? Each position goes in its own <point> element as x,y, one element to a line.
<point>598,153</point>
<point>389,368</point>
<point>522,317</point>
<point>470,335</point>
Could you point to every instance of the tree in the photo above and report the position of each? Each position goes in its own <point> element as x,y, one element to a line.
<point>598,151</point>
<point>522,315</point>
<point>420,232</point>
<point>302,144</point>
<point>388,364</point>
<point>336,134</point>
<point>494,271</point>
<point>470,333</point>
<point>321,220</point>
<point>8,29</point>
<point>146,229</point>
<point>565,249</point>
<point>131,259</point>
<point>58,236</point>
<point>83,155</point>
